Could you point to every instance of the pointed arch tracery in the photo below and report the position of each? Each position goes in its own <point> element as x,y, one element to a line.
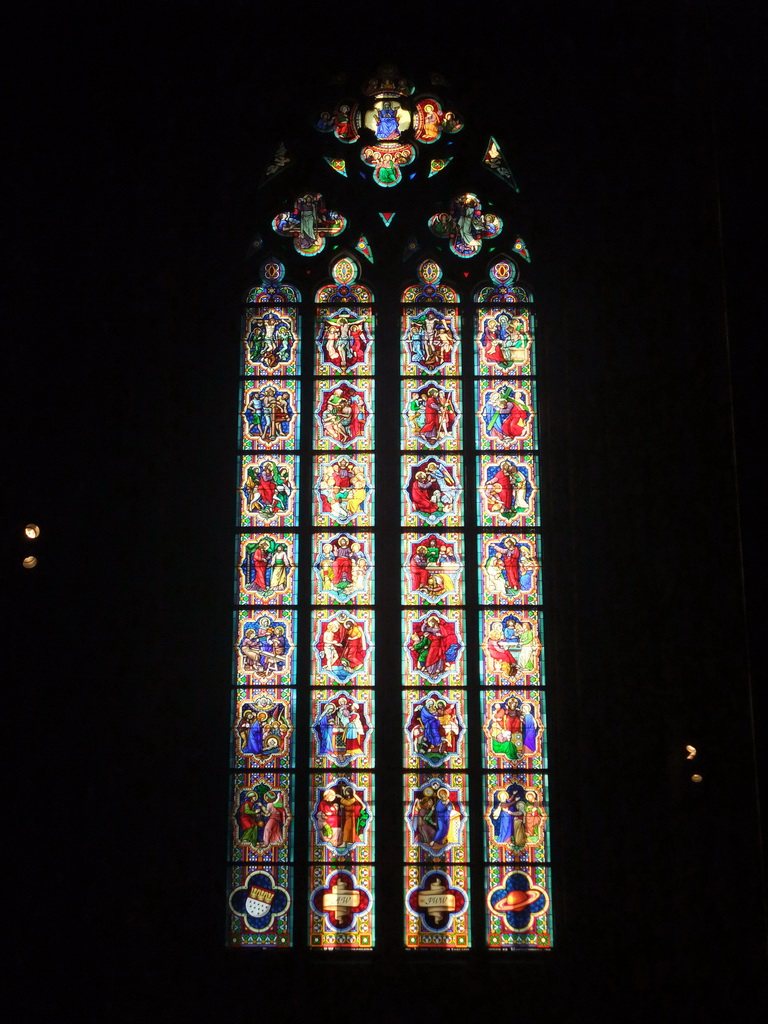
<point>451,369</point>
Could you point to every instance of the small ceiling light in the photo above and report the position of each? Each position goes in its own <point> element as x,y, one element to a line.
<point>695,778</point>
<point>691,752</point>
<point>29,562</point>
<point>31,531</point>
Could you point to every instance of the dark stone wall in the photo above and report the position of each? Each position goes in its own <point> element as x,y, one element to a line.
<point>138,140</point>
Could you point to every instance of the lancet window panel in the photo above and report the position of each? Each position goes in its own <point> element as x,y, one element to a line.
<point>343,568</point>
<point>344,490</point>
<point>432,490</point>
<point>437,907</point>
<point>344,324</point>
<point>262,823</point>
<point>507,490</point>
<point>342,815</point>
<point>268,495</point>
<point>433,568</point>
<point>431,415</point>
<point>269,420</point>
<point>511,647</point>
<point>263,728</point>
<point>435,728</point>
<point>509,569</point>
<point>504,341</point>
<point>342,727</point>
<point>433,647</point>
<point>271,333</point>
<point>514,727</point>
<point>265,647</point>
<point>263,783</point>
<point>271,340</point>
<point>436,814</point>
<point>342,647</point>
<point>516,818</point>
<point>341,902</point>
<point>519,908</point>
<point>344,341</point>
<point>268,568</point>
<point>261,906</point>
<point>430,341</point>
<point>343,415</point>
<point>506,418</point>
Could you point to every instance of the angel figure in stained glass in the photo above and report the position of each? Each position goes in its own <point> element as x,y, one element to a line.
<point>432,490</point>
<point>263,728</point>
<point>386,160</point>
<point>307,209</point>
<point>465,212</point>
<point>465,225</point>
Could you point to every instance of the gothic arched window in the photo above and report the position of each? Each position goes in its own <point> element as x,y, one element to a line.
<point>388,730</point>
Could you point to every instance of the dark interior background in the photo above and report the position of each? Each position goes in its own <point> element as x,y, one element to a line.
<point>138,136</point>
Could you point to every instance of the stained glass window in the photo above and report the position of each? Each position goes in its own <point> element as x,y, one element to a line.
<point>264,699</point>
<point>389,571</point>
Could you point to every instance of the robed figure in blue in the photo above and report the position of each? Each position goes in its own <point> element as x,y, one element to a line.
<point>255,742</point>
<point>431,725</point>
<point>387,126</point>
<point>324,729</point>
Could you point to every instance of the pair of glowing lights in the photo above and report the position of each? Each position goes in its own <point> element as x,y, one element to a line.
<point>31,532</point>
